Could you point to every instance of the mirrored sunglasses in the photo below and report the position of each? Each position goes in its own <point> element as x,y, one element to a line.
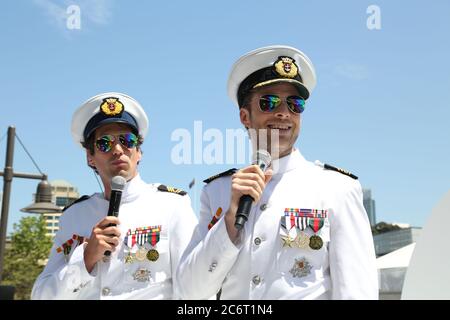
<point>270,102</point>
<point>106,143</point>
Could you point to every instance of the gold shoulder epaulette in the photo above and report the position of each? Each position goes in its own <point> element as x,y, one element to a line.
<point>165,188</point>
<point>222,174</point>
<point>76,201</point>
<point>330,167</point>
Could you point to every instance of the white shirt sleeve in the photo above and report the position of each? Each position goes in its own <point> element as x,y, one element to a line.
<point>351,249</point>
<point>182,224</point>
<point>208,258</point>
<point>63,279</point>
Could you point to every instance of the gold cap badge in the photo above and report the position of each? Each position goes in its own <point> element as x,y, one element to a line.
<point>111,106</point>
<point>286,67</point>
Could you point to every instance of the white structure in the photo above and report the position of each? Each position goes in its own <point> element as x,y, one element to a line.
<point>428,275</point>
<point>391,272</point>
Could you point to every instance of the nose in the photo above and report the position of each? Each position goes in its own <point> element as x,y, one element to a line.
<point>283,111</point>
<point>117,148</point>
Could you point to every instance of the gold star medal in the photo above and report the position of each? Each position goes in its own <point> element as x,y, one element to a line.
<point>287,241</point>
<point>129,258</point>
<point>288,224</point>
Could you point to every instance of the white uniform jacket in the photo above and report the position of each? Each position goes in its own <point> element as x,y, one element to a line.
<point>265,264</point>
<point>150,219</point>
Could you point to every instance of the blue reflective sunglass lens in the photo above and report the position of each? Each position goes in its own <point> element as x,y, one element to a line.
<point>129,140</point>
<point>105,143</point>
<point>296,104</point>
<point>268,103</point>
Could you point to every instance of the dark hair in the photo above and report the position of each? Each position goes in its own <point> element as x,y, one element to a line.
<point>245,101</point>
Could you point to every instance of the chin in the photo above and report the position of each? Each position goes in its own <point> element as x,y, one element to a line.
<point>281,150</point>
<point>122,173</point>
<point>284,151</point>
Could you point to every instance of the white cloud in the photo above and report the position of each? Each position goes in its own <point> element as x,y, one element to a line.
<point>55,12</point>
<point>97,11</point>
<point>91,11</point>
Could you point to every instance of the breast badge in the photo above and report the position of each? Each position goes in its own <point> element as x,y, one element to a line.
<point>142,275</point>
<point>301,268</point>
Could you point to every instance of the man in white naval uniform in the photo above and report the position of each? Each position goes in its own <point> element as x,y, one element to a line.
<point>146,241</point>
<point>307,235</point>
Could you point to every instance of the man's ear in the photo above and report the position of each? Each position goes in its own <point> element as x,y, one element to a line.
<point>244,115</point>
<point>89,160</point>
<point>139,155</point>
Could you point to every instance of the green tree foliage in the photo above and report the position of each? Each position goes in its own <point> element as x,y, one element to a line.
<point>383,227</point>
<point>26,257</point>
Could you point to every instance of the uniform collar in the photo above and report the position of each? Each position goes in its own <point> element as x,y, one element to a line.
<point>132,189</point>
<point>288,163</point>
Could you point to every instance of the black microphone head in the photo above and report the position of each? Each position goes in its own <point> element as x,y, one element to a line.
<point>262,158</point>
<point>118,183</point>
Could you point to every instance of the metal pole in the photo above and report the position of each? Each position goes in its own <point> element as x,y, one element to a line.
<point>27,175</point>
<point>7,179</point>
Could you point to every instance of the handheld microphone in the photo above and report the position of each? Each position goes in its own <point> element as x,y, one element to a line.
<point>262,159</point>
<point>117,185</point>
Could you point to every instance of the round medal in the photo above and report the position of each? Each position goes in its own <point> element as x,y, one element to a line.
<point>152,255</point>
<point>302,240</point>
<point>141,254</point>
<point>315,242</point>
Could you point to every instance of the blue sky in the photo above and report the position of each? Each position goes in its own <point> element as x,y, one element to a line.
<point>380,108</point>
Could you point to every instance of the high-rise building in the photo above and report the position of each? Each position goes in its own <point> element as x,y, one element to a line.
<point>369,205</point>
<point>63,194</point>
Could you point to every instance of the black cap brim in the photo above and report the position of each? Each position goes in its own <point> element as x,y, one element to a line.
<point>304,93</point>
